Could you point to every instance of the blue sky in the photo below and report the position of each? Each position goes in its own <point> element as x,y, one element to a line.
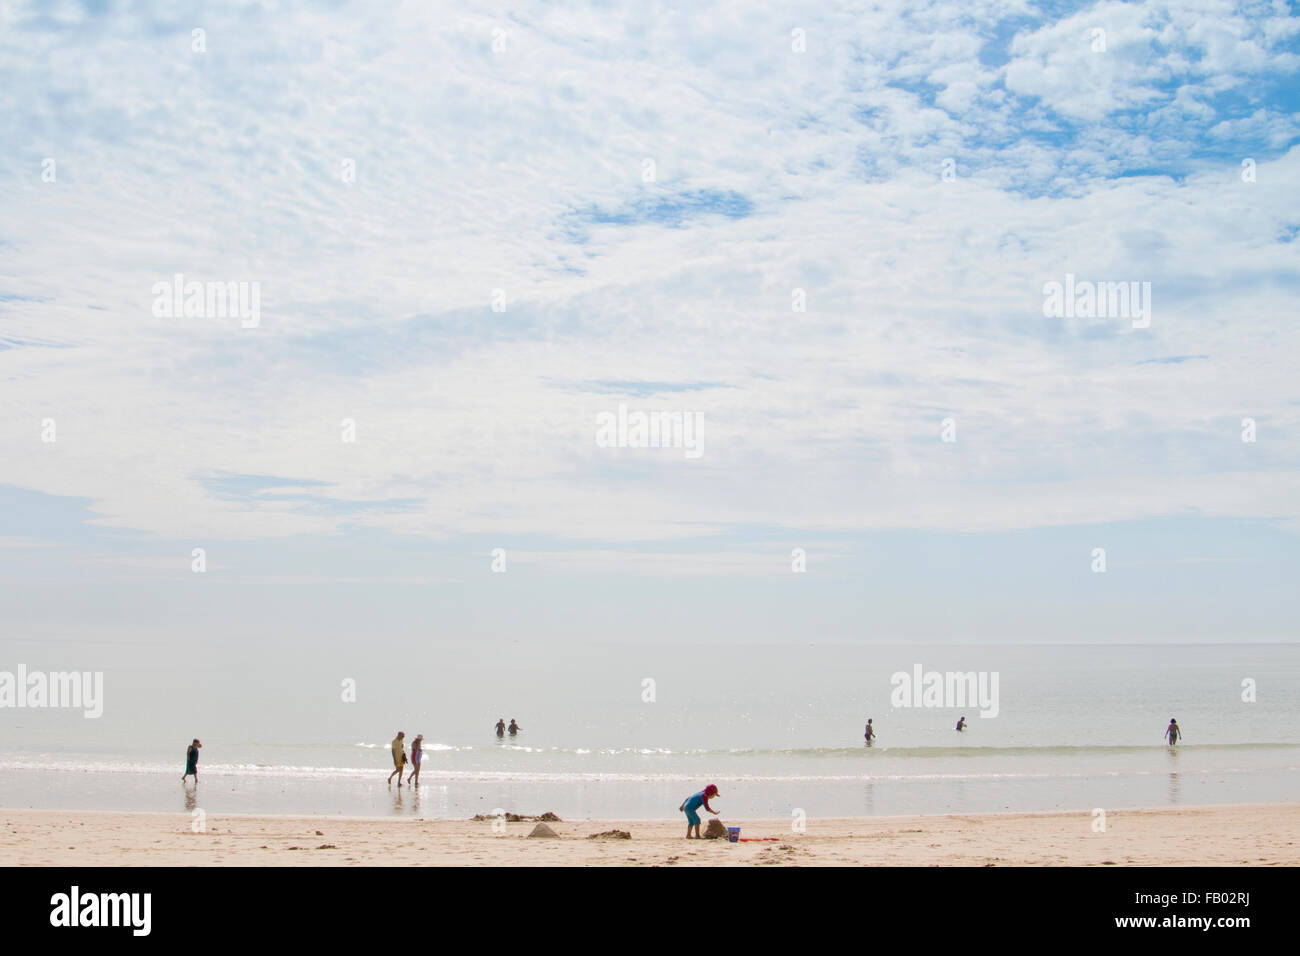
<point>476,230</point>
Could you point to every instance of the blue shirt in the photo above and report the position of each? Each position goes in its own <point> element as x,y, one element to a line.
<point>694,801</point>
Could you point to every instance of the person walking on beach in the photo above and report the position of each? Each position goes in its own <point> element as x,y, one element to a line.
<point>870,734</point>
<point>192,761</point>
<point>399,758</point>
<point>501,726</point>
<point>1172,732</point>
<point>417,754</point>
<point>961,724</point>
<point>693,803</point>
<point>514,728</point>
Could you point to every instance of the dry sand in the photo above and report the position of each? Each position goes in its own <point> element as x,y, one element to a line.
<point>1256,835</point>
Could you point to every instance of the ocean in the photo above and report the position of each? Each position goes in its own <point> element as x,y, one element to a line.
<point>627,732</point>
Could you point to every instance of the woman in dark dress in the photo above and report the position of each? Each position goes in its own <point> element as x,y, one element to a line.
<point>192,761</point>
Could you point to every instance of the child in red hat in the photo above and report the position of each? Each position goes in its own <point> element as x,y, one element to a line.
<point>693,803</point>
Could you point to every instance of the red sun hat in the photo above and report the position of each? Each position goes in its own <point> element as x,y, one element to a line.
<point>711,790</point>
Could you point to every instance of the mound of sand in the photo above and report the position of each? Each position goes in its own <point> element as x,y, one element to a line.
<point>715,830</point>
<point>611,835</point>
<point>542,830</point>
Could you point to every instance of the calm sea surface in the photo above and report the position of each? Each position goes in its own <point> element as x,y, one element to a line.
<point>629,731</point>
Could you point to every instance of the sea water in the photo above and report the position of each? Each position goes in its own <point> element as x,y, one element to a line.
<point>627,732</point>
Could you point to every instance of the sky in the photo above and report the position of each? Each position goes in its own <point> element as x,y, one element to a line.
<point>823,232</point>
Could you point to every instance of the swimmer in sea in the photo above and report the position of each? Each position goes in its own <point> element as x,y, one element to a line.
<point>961,724</point>
<point>1173,732</point>
<point>870,734</point>
<point>501,726</point>
<point>514,728</point>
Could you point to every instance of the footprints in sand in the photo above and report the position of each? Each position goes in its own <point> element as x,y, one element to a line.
<point>785,854</point>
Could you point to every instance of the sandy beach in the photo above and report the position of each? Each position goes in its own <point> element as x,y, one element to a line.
<point>1251,835</point>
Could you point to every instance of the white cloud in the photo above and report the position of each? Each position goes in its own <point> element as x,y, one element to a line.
<point>478,171</point>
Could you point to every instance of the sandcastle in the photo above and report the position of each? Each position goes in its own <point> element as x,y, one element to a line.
<point>715,830</point>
